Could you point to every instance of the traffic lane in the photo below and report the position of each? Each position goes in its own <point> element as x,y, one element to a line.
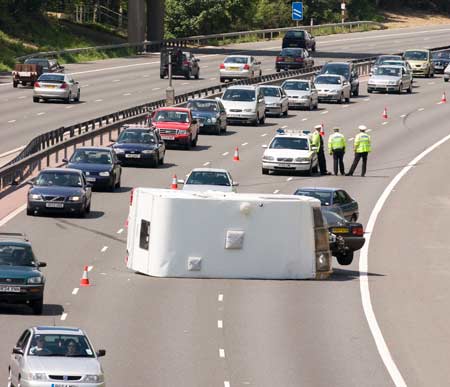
<point>410,244</point>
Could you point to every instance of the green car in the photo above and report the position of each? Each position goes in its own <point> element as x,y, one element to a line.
<point>21,281</point>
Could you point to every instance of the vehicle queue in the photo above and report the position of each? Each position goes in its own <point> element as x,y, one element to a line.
<point>69,189</point>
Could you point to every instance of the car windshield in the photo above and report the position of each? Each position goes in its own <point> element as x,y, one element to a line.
<point>339,69</point>
<point>270,91</point>
<point>328,80</point>
<point>42,62</point>
<point>239,95</point>
<point>295,34</point>
<point>204,106</point>
<point>289,143</point>
<point>171,116</point>
<point>441,55</point>
<point>236,59</point>
<point>291,52</point>
<point>292,85</point>
<point>83,156</point>
<point>416,55</point>
<point>53,78</point>
<point>58,179</point>
<point>383,59</point>
<point>131,136</point>
<point>388,71</point>
<point>60,345</point>
<point>395,63</point>
<point>208,178</point>
<point>13,254</point>
<point>323,196</point>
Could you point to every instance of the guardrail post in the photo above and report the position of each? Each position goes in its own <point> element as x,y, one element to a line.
<point>101,139</point>
<point>39,165</point>
<point>65,152</point>
<point>57,157</point>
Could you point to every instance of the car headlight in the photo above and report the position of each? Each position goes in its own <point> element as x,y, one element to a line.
<point>249,110</point>
<point>104,173</point>
<point>425,65</point>
<point>34,280</point>
<point>94,378</point>
<point>268,158</point>
<point>393,83</point>
<point>181,131</point>
<point>87,173</point>
<point>302,159</point>
<point>304,97</point>
<point>37,376</point>
<point>75,198</point>
<point>36,197</point>
<point>118,150</point>
<point>148,151</point>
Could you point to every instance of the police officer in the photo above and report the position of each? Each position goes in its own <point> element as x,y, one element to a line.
<point>336,147</point>
<point>362,148</point>
<point>317,141</point>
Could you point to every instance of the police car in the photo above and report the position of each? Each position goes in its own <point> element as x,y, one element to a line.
<point>290,150</point>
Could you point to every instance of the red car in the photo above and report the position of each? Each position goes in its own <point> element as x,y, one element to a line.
<point>176,126</point>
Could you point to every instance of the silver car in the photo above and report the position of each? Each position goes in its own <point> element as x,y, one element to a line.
<point>209,179</point>
<point>50,356</point>
<point>447,73</point>
<point>56,86</point>
<point>301,93</point>
<point>390,78</point>
<point>276,100</point>
<point>332,87</point>
<point>239,67</point>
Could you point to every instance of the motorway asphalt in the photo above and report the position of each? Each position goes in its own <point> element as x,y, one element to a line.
<point>111,85</point>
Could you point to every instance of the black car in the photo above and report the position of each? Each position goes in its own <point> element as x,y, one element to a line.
<point>210,114</point>
<point>100,165</point>
<point>347,70</point>
<point>59,190</point>
<point>299,39</point>
<point>293,58</point>
<point>440,59</point>
<point>140,145</point>
<point>336,199</point>
<point>183,63</point>
<point>21,281</point>
<point>349,236</point>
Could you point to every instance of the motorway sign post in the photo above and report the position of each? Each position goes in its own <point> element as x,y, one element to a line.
<point>297,11</point>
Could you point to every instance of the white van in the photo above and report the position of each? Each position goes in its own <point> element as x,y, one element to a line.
<point>226,235</point>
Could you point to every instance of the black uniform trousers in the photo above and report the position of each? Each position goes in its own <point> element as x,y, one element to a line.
<point>358,156</point>
<point>321,159</point>
<point>338,161</point>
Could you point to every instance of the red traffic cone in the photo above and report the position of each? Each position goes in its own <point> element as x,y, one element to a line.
<point>85,279</point>
<point>385,114</point>
<point>444,98</point>
<point>174,184</point>
<point>322,130</point>
<point>236,154</point>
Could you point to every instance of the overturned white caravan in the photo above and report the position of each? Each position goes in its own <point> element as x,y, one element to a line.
<point>226,235</point>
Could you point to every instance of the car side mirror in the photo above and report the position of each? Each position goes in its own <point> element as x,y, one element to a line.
<point>64,160</point>
<point>235,184</point>
<point>264,146</point>
<point>101,353</point>
<point>180,181</point>
<point>42,264</point>
<point>17,351</point>
<point>314,148</point>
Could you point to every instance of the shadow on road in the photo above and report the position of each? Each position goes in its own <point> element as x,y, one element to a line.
<point>49,310</point>
<point>348,275</point>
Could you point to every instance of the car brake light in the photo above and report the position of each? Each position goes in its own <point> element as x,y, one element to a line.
<point>280,59</point>
<point>299,59</point>
<point>131,197</point>
<point>358,231</point>
<point>36,84</point>
<point>246,67</point>
<point>222,66</point>
<point>64,86</point>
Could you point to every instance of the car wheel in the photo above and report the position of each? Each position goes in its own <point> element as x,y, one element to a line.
<point>161,160</point>
<point>262,120</point>
<point>155,162</point>
<point>188,145</point>
<point>286,112</point>
<point>218,130</point>
<point>310,172</point>
<point>409,90</point>
<point>30,212</point>
<point>315,168</point>
<point>256,121</point>
<point>445,79</point>
<point>260,73</point>
<point>314,48</point>
<point>369,91</point>
<point>341,99</point>
<point>77,98</point>
<point>222,80</point>
<point>265,171</point>
<point>188,75</point>
<point>194,143</point>
<point>35,99</point>
<point>15,83</point>
<point>356,92</point>
<point>37,306</point>
<point>311,105</point>
<point>161,75</point>
<point>118,184</point>
<point>347,100</point>
<point>82,212</point>
<point>431,74</point>
<point>316,106</point>
<point>24,83</point>
<point>400,88</point>
<point>224,129</point>
<point>345,259</point>
<point>88,208</point>
<point>278,70</point>
<point>69,98</point>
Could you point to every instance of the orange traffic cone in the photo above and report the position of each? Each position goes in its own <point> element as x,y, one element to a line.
<point>322,130</point>
<point>444,98</point>
<point>85,279</point>
<point>236,154</point>
<point>174,184</point>
<point>385,114</point>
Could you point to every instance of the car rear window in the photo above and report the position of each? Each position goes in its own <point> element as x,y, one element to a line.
<point>291,85</point>
<point>52,78</point>
<point>324,197</point>
<point>291,52</point>
<point>209,106</point>
<point>295,35</point>
<point>236,59</point>
<point>208,178</point>
<point>239,95</point>
<point>16,255</point>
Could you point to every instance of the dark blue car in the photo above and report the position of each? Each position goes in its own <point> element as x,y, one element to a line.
<point>336,199</point>
<point>21,281</point>
<point>59,190</point>
<point>140,146</point>
<point>210,114</point>
<point>100,166</point>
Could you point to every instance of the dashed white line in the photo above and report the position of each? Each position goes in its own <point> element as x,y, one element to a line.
<point>221,353</point>
<point>219,324</point>
<point>244,144</point>
<point>205,67</point>
<point>284,127</point>
<point>384,123</point>
<point>104,248</point>
<point>185,83</point>
<point>116,80</point>
<point>324,112</point>
<point>420,109</point>
<point>206,164</point>
<point>84,85</point>
<point>11,121</point>
<point>156,88</point>
<point>220,297</point>
<point>22,97</point>
<point>276,191</point>
<point>90,268</point>
<point>304,119</point>
<point>146,76</point>
<point>41,113</point>
<point>264,135</point>
<point>98,100</point>
<point>345,106</point>
<point>69,107</point>
<point>403,115</point>
<point>127,94</point>
<point>212,79</point>
<point>63,316</point>
<point>225,154</point>
<point>75,291</point>
<point>431,83</point>
<point>120,231</point>
<point>226,383</point>
<point>289,179</point>
<point>368,130</point>
<point>366,99</point>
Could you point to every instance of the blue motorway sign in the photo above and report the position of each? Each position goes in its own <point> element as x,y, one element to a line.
<point>297,10</point>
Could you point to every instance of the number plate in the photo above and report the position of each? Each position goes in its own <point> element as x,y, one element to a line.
<point>339,230</point>
<point>54,205</point>
<point>63,385</point>
<point>168,137</point>
<point>90,179</point>
<point>10,289</point>
<point>50,86</point>
<point>289,59</point>
<point>132,156</point>
<point>285,165</point>
<point>234,68</point>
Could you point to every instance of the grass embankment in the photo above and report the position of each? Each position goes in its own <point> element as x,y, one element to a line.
<point>48,34</point>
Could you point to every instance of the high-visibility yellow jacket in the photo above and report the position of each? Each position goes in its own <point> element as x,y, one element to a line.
<point>336,141</point>
<point>362,143</point>
<point>315,140</point>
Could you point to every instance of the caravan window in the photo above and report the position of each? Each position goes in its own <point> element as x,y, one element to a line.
<point>144,237</point>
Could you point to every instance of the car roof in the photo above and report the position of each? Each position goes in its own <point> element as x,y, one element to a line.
<point>202,100</point>
<point>238,56</point>
<point>95,148</point>
<point>62,170</point>
<point>417,49</point>
<point>56,330</point>
<point>390,66</point>
<point>320,189</point>
<point>146,128</point>
<point>244,87</point>
<point>329,75</point>
<point>14,238</point>
<point>270,87</point>
<point>292,134</point>
<point>298,80</point>
<point>174,109</point>
<point>209,170</point>
<point>338,63</point>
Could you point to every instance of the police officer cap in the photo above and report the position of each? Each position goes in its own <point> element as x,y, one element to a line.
<point>318,127</point>
<point>336,129</point>
<point>362,128</point>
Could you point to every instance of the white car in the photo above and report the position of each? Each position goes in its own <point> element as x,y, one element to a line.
<point>56,86</point>
<point>290,151</point>
<point>301,93</point>
<point>276,100</point>
<point>244,104</point>
<point>447,73</point>
<point>239,67</point>
<point>333,88</point>
<point>209,179</point>
<point>390,78</point>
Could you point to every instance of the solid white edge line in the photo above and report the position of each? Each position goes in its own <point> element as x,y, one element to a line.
<point>104,248</point>
<point>382,347</point>
<point>12,215</point>
<point>12,151</point>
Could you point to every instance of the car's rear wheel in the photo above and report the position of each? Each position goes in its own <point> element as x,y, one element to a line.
<point>286,112</point>
<point>88,208</point>
<point>197,76</point>
<point>218,130</point>
<point>69,98</point>
<point>77,98</point>
<point>345,259</point>
<point>356,92</point>
<point>37,306</point>
<point>409,88</point>
<point>400,88</point>
<point>188,144</point>
<point>118,184</point>
<point>35,99</point>
<point>15,83</point>
<point>341,98</point>
<point>315,168</point>
<point>222,80</point>
<point>256,121</point>
<point>195,141</point>
<point>161,160</point>
<point>262,119</point>
<point>311,105</point>
<point>30,212</point>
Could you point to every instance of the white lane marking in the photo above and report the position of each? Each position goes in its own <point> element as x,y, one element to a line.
<point>63,316</point>
<point>226,383</point>
<point>219,324</point>
<point>98,100</point>
<point>351,139</point>
<point>22,97</point>
<point>244,144</point>
<point>205,67</point>
<point>403,115</point>
<point>206,164</point>
<point>12,215</point>
<point>284,127</point>
<point>220,297</point>
<point>120,231</point>
<point>225,154</point>
<point>368,130</point>
<point>86,85</point>
<point>104,248</point>
<point>146,76</point>
<point>420,109</point>
<point>268,68</point>
<point>185,83</point>
<point>212,79</point>
<point>264,135</point>
<point>69,107</point>
<point>324,112</point>
<point>75,291</point>
<point>384,123</point>
<point>41,113</point>
<point>345,106</point>
<point>276,191</point>
<point>366,99</point>
<point>156,88</point>
<point>426,38</point>
<point>126,94</point>
<point>11,121</point>
<point>382,347</point>
<point>12,151</point>
<point>116,80</point>
<point>221,353</point>
<point>90,268</point>
<point>113,68</point>
<point>304,119</point>
<point>289,179</point>
<point>431,83</point>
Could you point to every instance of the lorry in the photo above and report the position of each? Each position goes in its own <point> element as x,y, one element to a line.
<point>214,234</point>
